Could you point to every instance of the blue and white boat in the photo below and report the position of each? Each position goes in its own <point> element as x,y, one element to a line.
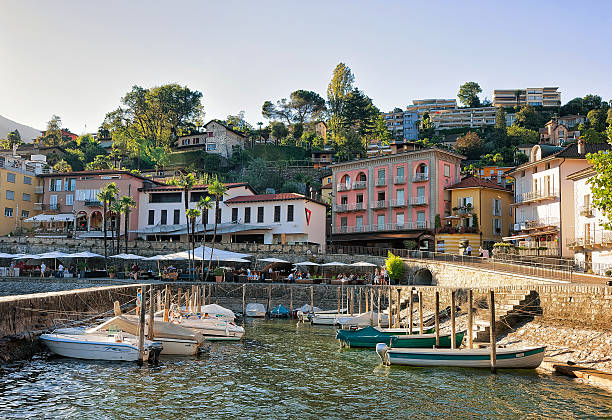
<point>77,343</point>
<point>279,311</point>
<point>510,358</point>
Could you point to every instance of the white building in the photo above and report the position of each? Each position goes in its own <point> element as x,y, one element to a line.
<point>216,138</point>
<point>591,243</point>
<point>243,216</point>
<point>463,117</point>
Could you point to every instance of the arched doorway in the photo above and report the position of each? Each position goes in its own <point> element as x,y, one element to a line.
<point>95,221</point>
<point>423,277</point>
<point>81,221</point>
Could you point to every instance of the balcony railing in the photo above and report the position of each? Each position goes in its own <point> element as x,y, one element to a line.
<point>537,223</point>
<point>599,237</point>
<point>398,203</point>
<point>382,227</point>
<point>586,211</point>
<point>344,187</point>
<point>380,204</point>
<point>39,206</point>
<point>420,177</point>
<point>381,182</point>
<point>93,203</point>
<point>360,185</point>
<point>399,180</point>
<point>349,207</point>
<point>417,201</point>
<point>39,189</point>
<point>341,207</point>
<point>530,196</point>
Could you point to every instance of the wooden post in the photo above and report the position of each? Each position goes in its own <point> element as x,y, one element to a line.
<point>371,293</point>
<point>269,299</point>
<point>437,318</point>
<point>243,300</point>
<point>202,298</point>
<point>290,300</point>
<point>167,304</point>
<point>204,294</point>
<point>390,314</point>
<point>470,320</point>
<point>411,308</point>
<point>141,326</point>
<point>178,297</point>
<point>338,295</point>
<point>420,312</point>
<point>367,298</point>
<point>360,298</point>
<point>187,301</point>
<point>453,304</point>
<point>351,290</point>
<point>378,312</point>
<point>312,298</point>
<point>193,298</point>
<point>399,307</point>
<point>150,333</point>
<point>159,301</point>
<point>492,333</point>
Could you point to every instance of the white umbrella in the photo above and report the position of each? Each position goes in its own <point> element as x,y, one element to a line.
<point>84,254</point>
<point>156,258</point>
<point>307,263</point>
<point>5,255</point>
<point>127,257</point>
<point>53,255</point>
<point>273,260</point>
<point>333,264</point>
<point>26,257</point>
<point>363,264</point>
<point>179,256</point>
<point>236,260</point>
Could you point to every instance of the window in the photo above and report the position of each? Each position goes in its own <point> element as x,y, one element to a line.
<point>10,177</point>
<point>497,226</point>
<point>166,198</point>
<point>343,222</point>
<point>8,212</point>
<point>496,207</point>
<point>211,146</point>
<point>177,216</point>
<point>421,192</point>
<point>260,214</point>
<point>54,185</point>
<point>235,215</point>
<point>400,171</point>
<point>247,214</point>
<point>10,195</point>
<point>400,197</point>
<point>277,214</point>
<point>381,221</point>
<point>381,196</point>
<point>359,223</point>
<point>70,184</point>
<point>53,202</point>
<point>381,174</point>
<point>587,201</point>
<point>344,199</point>
<point>359,198</point>
<point>27,180</point>
<point>151,220</point>
<point>446,173</point>
<point>440,246</point>
<point>399,219</point>
<point>290,213</point>
<point>25,197</point>
<point>421,219</point>
<point>69,200</point>
<point>25,214</point>
<point>164,217</point>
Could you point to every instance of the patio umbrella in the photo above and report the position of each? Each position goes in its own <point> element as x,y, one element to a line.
<point>5,255</point>
<point>84,254</point>
<point>26,257</point>
<point>54,255</point>
<point>127,257</point>
<point>237,260</point>
<point>156,258</point>
<point>333,264</point>
<point>273,260</point>
<point>307,263</point>
<point>363,264</point>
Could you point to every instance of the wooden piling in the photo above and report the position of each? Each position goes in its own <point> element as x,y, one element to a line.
<point>312,298</point>
<point>269,300</point>
<point>470,320</point>
<point>116,308</point>
<point>437,318</point>
<point>338,296</point>
<point>167,304</point>
<point>399,307</point>
<point>290,301</point>
<point>367,298</point>
<point>150,333</point>
<point>453,305</point>
<point>243,300</point>
<point>420,312</point>
<point>352,299</point>
<point>492,340</point>
<point>179,295</point>
<point>202,299</point>
<point>390,311</point>
<point>141,326</point>
<point>360,298</point>
<point>371,293</point>
<point>187,302</point>
<point>204,295</point>
<point>378,308</point>
<point>411,309</point>
<point>159,301</point>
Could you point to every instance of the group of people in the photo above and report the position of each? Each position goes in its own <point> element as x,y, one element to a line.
<point>379,277</point>
<point>299,275</point>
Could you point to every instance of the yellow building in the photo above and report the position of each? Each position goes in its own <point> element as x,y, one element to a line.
<point>481,214</point>
<point>20,190</point>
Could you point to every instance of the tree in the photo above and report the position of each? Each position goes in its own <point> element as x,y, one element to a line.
<point>107,195</point>
<point>13,138</point>
<point>590,135</point>
<point>469,144</point>
<point>306,105</point>
<point>298,130</point>
<point>468,94</point>
<point>116,209</point>
<point>204,205</point>
<point>573,107</point>
<point>99,162</point>
<point>500,121</point>
<point>62,166</point>
<point>590,102</point>
<point>217,189</point>
<point>192,215</point>
<point>359,112</point>
<point>601,184</point>
<point>53,133</point>
<point>519,135</point>
<point>597,119</point>
<point>126,202</point>
<point>338,89</point>
<point>609,117</point>
<point>529,117</point>
<point>395,266</point>
<point>279,131</point>
<point>349,145</point>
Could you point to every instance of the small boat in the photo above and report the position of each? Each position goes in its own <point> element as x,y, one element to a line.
<point>279,311</point>
<point>255,310</point>
<point>218,312</point>
<point>508,358</point>
<point>368,337</point>
<point>323,318</point>
<point>211,328</point>
<point>361,320</point>
<point>78,344</point>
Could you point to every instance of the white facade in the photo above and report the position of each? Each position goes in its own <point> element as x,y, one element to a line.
<point>463,117</point>
<point>216,139</point>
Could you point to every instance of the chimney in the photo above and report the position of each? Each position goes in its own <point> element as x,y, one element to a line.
<point>581,147</point>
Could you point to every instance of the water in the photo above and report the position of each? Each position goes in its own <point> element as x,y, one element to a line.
<point>11,288</point>
<point>284,370</point>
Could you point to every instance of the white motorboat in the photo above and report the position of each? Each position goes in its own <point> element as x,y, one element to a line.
<point>211,329</point>
<point>77,343</point>
<point>324,318</point>
<point>255,310</point>
<point>510,358</point>
<point>218,312</point>
<point>361,320</point>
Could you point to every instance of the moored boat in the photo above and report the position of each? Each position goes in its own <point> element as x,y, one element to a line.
<point>212,329</point>
<point>279,311</point>
<point>361,320</point>
<point>509,358</point>
<point>368,337</point>
<point>255,310</point>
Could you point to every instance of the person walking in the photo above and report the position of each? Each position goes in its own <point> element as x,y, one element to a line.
<point>60,271</point>
<point>43,267</point>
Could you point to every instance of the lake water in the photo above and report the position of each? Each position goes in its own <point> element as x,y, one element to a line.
<point>285,370</point>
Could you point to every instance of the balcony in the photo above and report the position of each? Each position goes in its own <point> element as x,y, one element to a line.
<point>538,223</point>
<point>93,203</point>
<point>380,204</point>
<point>341,208</point>
<point>399,180</point>
<point>531,196</point>
<point>39,206</point>
<point>586,211</point>
<point>420,177</point>
<point>417,201</point>
<point>398,203</point>
<point>381,182</point>
<point>383,227</point>
<point>39,190</point>
<point>360,185</point>
<point>599,238</point>
<point>344,187</point>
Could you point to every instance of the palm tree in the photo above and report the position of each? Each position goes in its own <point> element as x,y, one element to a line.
<point>106,196</point>
<point>116,209</point>
<point>204,205</point>
<point>126,202</point>
<point>187,182</point>
<point>218,190</point>
<point>192,215</point>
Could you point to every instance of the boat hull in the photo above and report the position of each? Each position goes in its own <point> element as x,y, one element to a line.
<point>369,337</point>
<point>524,358</point>
<point>176,347</point>
<point>69,346</point>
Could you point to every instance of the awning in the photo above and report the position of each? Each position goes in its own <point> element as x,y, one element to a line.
<point>545,232</point>
<point>64,217</point>
<point>515,237</point>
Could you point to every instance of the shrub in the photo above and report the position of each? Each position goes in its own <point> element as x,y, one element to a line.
<point>395,266</point>
<point>410,244</point>
<point>218,272</point>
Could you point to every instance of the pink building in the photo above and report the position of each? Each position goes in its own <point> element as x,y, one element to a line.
<point>385,200</point>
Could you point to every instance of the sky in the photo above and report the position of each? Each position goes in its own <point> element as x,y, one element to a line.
<point>78,58</point>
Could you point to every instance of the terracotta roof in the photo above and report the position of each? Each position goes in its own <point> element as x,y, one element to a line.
<point>269,197</point>
<point>100,172</point>
<point>196,187</point>
<point>473,182</point>
<point>571,151</point>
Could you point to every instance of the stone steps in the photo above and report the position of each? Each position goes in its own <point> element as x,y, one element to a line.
<point>510,310</point>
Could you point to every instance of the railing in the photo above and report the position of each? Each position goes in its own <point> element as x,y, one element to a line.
<point>547,221</point>
<point>360,185</point>
<point>39,189</point>
<point>381,182</point>
<point>535,196</point>
<point>420,177</point>
<point>343,187</point>
<point>586,211</point>
<point>349,207</point>
<point>398,203</point>
<point>380,204</point>
<point>39,206</point>
<point>417,201</point>
<point>93,203</point>
<point>598,237</point>
<point>341,207</point>
<point>399,180</point>
<point>382,227</point>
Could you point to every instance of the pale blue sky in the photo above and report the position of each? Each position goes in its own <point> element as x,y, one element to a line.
<point>77,58</point>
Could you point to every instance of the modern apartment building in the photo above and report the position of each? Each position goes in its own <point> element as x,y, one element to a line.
<point>405,124</point>
<point>547,97</point>
<point>481,214</point>
<point>590,241</point>
<point>20,189</point>
<point>543,196</point>
<point>385,200</point>
<point>445,119</point>
<point>216,138</point>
